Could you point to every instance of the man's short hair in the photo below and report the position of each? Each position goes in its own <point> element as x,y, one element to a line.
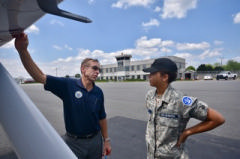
<point>85,62</point>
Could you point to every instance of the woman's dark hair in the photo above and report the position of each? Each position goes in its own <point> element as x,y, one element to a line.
<point>172,76</point>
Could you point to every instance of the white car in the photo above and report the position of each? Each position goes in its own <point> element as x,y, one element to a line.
<point>226,75</point>
<point>208,77</point>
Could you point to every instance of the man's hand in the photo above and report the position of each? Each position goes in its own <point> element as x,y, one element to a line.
<point>107,148</point>
<point>21,42</point>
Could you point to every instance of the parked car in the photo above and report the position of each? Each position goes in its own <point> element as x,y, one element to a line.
<point>226,75</point>
<point>208,77</point>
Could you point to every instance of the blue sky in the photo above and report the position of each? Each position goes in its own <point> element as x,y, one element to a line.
<point>201,31</point>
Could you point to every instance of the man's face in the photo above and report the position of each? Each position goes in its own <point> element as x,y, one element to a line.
<point>91,71</point>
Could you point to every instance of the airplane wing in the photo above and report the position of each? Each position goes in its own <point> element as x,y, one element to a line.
<point>31,135</point>
<point>17,15</point>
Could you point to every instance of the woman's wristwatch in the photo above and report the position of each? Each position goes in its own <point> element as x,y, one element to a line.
<point>107,139</point>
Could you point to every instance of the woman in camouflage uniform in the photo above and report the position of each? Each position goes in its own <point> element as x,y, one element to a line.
<point>169,112</point>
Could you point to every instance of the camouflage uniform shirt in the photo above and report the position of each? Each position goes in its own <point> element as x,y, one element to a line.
<point>168,118</point>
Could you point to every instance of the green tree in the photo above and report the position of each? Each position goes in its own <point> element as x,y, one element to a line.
<point>217,64</point>
<point>77,75</point>
<point>190,68</point>
<point>202,67</point>
<point>232,65</point>
<point>67,76</point>
<point>218,68</point>
<point>209,67</point>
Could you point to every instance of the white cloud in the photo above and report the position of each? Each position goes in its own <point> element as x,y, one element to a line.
<point>193,46</point>
<point>191,59</point>
<point>237,18</point>
<point>9,45</point>
<point>143,42</point>
<point>152,22</point>
<point>167,43</point>
<point>15,64</point>
<point>71,65</point>
<point>217,42</point>
<point>57,47</point>
<point>177,8</point>
<point>166,50</point>
<point>209,54</point>
<point>129,3</point>
<point>237,58</point>
<point>32,29</point>
<point>56,22</point>
<point>145,48</point>
<point>184,55</point>
<point>68,47</point>
<point>157,9</point>
<point>91,2</point>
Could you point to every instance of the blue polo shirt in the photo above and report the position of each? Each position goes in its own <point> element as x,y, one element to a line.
<point>82,109</point>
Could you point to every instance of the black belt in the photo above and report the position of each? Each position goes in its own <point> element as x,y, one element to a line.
<point>88,136</point>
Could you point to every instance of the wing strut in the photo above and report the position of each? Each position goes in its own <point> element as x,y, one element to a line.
<point>30,133</point>
<point>51,7</point>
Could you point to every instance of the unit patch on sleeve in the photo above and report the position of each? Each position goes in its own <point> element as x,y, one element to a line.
<point>187,100</point>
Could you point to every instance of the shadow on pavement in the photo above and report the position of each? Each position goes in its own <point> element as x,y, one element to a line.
<point>128,142</point>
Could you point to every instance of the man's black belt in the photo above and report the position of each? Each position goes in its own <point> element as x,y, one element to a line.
<point>88,136</point>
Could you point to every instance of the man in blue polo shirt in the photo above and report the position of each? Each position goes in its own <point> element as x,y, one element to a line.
<point>84,113</point>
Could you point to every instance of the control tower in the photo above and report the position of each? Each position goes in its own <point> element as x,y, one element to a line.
<point>123,65</point>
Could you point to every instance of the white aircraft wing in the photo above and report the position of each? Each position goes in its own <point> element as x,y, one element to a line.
<point>17,15</point>
<point>31,135</point>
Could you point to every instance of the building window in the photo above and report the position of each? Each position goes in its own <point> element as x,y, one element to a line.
<point>144,77</point>
<point>138,67</point>
<point>126,68</point>
<point>120,65</point>
<point>132,68</point>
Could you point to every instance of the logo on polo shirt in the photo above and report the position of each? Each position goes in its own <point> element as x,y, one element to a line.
<point>78,94</point>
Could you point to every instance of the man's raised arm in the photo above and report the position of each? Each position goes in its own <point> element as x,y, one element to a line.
<point>21,44</point>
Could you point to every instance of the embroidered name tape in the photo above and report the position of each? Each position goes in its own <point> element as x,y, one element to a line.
<point>173,116</point>
<point>187,101</point>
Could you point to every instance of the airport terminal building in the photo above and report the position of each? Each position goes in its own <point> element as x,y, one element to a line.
<point>126,69</point>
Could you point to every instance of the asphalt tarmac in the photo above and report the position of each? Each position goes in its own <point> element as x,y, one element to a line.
<point>127,116</point>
